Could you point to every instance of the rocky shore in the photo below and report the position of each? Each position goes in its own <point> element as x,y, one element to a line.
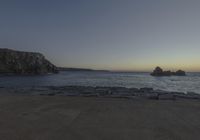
<point>97,113</point>
<point>110,92</point>
<point>52,113</point>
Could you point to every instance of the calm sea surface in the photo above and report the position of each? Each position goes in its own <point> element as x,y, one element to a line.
<point>190,83</point>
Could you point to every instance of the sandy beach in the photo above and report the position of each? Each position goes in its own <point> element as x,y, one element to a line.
<point>35,117</point>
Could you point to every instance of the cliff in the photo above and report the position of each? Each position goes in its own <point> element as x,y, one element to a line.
<point>19,62</point>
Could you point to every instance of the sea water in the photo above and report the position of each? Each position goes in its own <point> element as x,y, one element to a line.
<point>189,83</point>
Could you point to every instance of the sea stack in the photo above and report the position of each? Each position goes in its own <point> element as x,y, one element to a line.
<point>18,62</point>
<point>180,73</point>
<point>159,72</point>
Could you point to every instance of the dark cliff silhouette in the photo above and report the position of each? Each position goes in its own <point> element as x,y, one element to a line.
<point>18,62</point>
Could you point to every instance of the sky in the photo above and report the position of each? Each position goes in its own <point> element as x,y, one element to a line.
<point>125,35</point>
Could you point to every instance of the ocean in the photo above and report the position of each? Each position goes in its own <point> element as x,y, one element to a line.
<point>189,83</point>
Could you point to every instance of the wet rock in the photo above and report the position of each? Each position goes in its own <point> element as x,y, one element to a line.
<point>177,93</point>
<point>71,94</point>
<point>51,94</point>
<point>102,91</point>
<point>166,97</point>
<point>187,96</point>
<point>108,92</point>
<point>120,91</point>
<point>89,95</point>
<point>88,90</point>
<point>193,94</point>
<point>161,92</point>
<point>134,89</point>
<point>153,96</point>
<point>146,89</point>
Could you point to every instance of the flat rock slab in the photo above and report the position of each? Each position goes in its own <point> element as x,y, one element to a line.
<point>28,117</point>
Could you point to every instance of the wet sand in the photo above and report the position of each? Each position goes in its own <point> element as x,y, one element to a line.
<point>34,117</point>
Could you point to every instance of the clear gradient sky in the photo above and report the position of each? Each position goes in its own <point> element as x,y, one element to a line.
<point>106,34</point>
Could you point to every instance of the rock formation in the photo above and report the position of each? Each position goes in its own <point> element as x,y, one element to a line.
<point>18,62</point>
<point>159,72</point>
<point>109,92</point>
<point>180,73</point>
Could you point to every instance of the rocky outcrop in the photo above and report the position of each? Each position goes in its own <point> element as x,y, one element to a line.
<point>108,92</point>
<point>18,62</point>
<point>159,72</point>
<point>180,73</point>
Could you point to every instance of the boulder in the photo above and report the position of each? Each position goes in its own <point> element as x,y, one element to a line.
<point>18,62</point>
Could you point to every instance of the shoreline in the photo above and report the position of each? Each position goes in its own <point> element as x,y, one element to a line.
<point>109,92</point>
<point>97,113</point>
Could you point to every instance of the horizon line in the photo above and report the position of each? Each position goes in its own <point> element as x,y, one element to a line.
<point>111,70</point>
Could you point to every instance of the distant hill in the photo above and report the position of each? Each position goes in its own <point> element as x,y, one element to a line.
<point>80,69</point>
